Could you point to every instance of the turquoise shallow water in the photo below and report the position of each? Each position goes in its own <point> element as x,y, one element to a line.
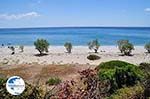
<point>76,35</point>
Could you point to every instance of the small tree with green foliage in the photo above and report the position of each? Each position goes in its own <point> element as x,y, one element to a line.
<point>125,47</point>
<point>147,47</point>
<point>68,47</point>
<point>120,43</point>
<point>94,45</point>
<point>41,45</point>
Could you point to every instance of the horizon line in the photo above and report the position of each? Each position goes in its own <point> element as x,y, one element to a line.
<point>75,27</point>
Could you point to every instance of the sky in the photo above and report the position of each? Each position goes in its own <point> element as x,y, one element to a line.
<point>70,13</point>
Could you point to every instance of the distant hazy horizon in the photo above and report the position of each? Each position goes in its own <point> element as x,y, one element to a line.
<point>76,27</point>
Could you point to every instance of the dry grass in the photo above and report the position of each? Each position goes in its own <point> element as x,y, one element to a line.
<point>57,70</point>
<point>61,71</point>
<point>20,71</point>
<point>33,72</point>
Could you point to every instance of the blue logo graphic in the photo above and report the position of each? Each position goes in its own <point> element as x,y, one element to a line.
<point>15,85</point>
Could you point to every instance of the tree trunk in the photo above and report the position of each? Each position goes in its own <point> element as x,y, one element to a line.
<point>69,51</point>
<point>95,50</point>
<point>40,52</point>
<point>127,53</point>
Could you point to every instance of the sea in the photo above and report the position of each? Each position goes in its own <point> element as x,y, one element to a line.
<point>78,36</point>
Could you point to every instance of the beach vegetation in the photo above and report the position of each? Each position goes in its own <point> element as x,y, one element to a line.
<point>120,43</point>
<point>53,81</point>
<point>88,87</point>
<point>145,67</point>
<point>93,57</point>
<point>125,47</point>
<point>68,47</point>
<point>119,74</point>
<point>109,80</point>
<point>41,45</point>
<point>146,84</point>
<point>147,47</point>
<point>2,81</point>
<point>94,45</point>
<point>12,48</point>
<point>135,92</point>
<point>21,47</point>
<point>31,92</point>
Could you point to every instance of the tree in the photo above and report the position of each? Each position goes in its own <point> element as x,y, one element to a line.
<point>125,47</point>
<point>21,47</point>
<point>41,45</point>
<point>120,43</point>
<point>94,45</point>
<point>12,48</point>
<point>147,47</point>
<point>68,47</point>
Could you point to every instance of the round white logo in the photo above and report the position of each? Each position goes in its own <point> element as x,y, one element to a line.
<point>15,85</point>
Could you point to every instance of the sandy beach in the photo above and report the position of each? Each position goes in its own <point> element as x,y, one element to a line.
<point>58,55</point>
<point>59,63</point>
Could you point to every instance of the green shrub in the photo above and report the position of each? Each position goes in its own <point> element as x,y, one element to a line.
<point>68,47</point>
<point>93,57</point>
<point>113,64</point>
<point>125,47</point>
<point>147,47</point>
<point>135,92</point>
<point>41,45</point>
<point>119,74</point>
<point>146,84</point>
<point>53,81</point>
<point>94,45</point>
<point>2,81</point>
<point>145,67</point>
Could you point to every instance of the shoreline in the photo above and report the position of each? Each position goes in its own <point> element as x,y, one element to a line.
<point>73,45</point>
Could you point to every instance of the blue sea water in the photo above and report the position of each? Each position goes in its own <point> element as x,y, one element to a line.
<point>76,35</point>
